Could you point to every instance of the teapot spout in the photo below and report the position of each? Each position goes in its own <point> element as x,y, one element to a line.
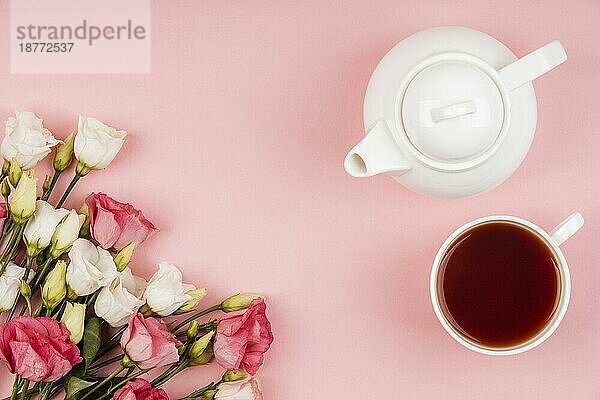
<point>377,153</point>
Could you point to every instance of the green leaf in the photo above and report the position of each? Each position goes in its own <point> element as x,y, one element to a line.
<point>78,370</point>
<point>75,386</point>
<point>91,340</point>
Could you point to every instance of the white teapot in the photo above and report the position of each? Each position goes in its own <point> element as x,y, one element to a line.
<point>450,111</point>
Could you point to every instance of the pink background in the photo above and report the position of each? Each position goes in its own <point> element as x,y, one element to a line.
<point>236,145</point>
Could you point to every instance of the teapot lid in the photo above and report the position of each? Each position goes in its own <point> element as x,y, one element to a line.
<point>452,112</point>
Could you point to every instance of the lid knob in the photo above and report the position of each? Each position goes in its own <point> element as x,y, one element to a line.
<point>453,111</point>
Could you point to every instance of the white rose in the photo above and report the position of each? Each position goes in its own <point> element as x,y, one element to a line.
<point>66,233</point>
<point>166,292</point>
<point>245,389</point>
<point>119,300</point>
<point>91,268</point>
<point>96,144</point>
<point>41,226</point>
<point>10,281</point>
<point>26,139</point>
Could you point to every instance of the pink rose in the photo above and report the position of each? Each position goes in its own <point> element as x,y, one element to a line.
<point>242,340</point>
<point>139,389</point>
<point>149,343</point>
<point>115,224</point>
<point>37,348</point>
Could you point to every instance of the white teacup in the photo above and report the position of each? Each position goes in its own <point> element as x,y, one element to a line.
<point>553,240</point>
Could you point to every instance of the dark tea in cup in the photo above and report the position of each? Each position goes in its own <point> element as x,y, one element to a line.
<point>499,284</point>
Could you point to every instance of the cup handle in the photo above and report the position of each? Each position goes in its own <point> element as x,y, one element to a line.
<point>567,228</point>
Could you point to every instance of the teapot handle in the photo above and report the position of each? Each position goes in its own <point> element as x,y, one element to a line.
<point>533,65</point>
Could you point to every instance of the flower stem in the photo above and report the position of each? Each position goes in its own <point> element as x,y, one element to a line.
<point>186,321</point>
<point>33,390</point>
<point>47,193</point>
<point>91,299</point>
<point>68,190</point>
<point>41,273</point>
<point>54,392</point>
<point>45,392</point>
<point>15,388</point>
<point>165,376</point>
<point>172,368</point>
<point>13,248</point>
<point>6,228</point>
<point>106,380</point>
<point>13,242</point>
<point>28,301</point>
<point>24,389</point>
<point>58,310</point>
<point>199,392</point>
<point>37,281</point>
<point>111,343</point>
<point>96,367</point>
<point>28,267</point>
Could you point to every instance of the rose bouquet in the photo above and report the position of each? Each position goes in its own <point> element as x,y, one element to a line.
<point>76,321</point>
